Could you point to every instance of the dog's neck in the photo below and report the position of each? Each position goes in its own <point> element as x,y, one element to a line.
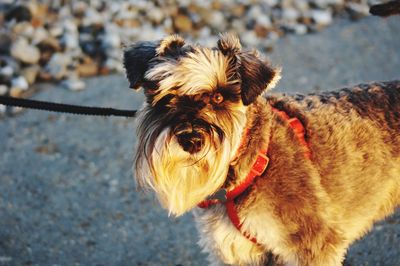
<point>255,137</point>
<point>251,156</point>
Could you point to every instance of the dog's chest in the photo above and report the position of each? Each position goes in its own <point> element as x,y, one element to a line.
<point>218,234</point>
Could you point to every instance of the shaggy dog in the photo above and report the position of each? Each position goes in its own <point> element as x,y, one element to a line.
<point>290,180</point>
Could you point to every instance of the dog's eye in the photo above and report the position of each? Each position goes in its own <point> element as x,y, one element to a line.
<point>217,98</point>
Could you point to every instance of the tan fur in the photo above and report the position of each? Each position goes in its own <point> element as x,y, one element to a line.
<point>168,43</point>
<point>201,71</point>
<point>303,211</point>
<point>309,212</point>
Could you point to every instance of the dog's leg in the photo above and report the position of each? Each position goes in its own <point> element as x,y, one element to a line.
<point>323,247</point>
<point>223,242</point>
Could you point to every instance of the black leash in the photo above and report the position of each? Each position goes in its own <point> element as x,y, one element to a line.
<point>65,108</point>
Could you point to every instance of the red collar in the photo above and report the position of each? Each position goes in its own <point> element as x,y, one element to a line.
<point>259,166</point>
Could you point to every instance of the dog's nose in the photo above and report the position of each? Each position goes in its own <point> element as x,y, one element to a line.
<point>190,142</point>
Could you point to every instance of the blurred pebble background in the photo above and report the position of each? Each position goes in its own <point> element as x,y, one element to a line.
<point>64,40</point>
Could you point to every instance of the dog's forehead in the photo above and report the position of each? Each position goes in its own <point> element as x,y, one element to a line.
<point>198,71</point>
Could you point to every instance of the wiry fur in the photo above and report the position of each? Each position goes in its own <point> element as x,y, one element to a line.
<point>302,211</point>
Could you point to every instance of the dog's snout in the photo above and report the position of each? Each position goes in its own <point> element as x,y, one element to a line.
<point>190,140</point>
<point>184,128</point>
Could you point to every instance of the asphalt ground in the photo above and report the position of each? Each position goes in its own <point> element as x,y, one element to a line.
<point>67,196</point>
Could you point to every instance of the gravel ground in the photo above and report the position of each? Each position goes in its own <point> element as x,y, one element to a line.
<point>66,192</point>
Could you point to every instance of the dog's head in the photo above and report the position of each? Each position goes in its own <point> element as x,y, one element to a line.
<point>195,113</point>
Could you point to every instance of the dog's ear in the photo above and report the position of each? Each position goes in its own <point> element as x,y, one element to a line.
<point>137,57</point>
<point>136,61</point>
<point>171,46</point>
<point>256,77</point>
<point>229,44</point>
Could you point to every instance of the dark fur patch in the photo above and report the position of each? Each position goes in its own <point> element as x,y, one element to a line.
<point>136,62</point>
<point>386,9</point>
<point>255,76</point>
<point>172,47</point>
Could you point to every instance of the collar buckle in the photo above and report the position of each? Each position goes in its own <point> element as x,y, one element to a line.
<point>260,164</point>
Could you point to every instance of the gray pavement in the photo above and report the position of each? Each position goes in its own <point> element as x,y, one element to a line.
<point>67,196</point>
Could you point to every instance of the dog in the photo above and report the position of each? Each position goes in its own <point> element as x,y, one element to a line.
<point>271,179</point>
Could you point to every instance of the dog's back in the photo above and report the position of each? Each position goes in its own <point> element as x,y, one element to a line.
<point>354,136</point>
<point>379,102</point>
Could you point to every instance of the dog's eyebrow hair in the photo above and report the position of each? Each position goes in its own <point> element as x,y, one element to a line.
<point>229,92</point>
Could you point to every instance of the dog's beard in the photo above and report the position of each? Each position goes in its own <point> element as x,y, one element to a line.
<point>180,179</point>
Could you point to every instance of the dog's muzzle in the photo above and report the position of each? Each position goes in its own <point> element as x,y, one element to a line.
<point>190,137</point>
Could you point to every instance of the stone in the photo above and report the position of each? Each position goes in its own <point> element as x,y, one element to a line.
<point>301,5</point>
<point>183,23</point>
<point>114,53</point>
<point>238,26</point>
<point>6,71</point>
<point>11,62</point>
<point>56,30</point>
<point>168,26</point>
<point>249,39</point>
<point>16,92</point>
<point>156,15</point>
<point>104,70</point>
<point>87,67</point>
<point>264,21</point>
<point>25,52</point>
<point>290,14</point>
<point>306,20</point>
<point>204,32</point>
<point>30,73</point>
<point>70,41</point>
<point>273,36</point>
<point>57,67</point>
<point>70,26</point>
<point>3,109</point>
<point>238,10</point>
<point>325,3</point>
<point>48,40</point>
<point>16,110</point>
<point>92,17</point>
<point>357,10</point>
<point>271,2</point>
<point>210,41</point>
<point>20,82</point>
<point>91,48</point>
<point>217,20</point>
<point>73,84</point>
<point>24,29</point>
<point>111,38</point>
<point>254,12</point>
<point>40,35</point>
<point>114,65</point>
<point>300,29</point>
<point>261,31</point>
<point>321,17</point>
<point>18,13</point>
<point>39,12</point>
<point>47,48</point>
<point>79,7</point>
<point>3,89</point>
<point>44,75</point>
<point>5,43</point>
